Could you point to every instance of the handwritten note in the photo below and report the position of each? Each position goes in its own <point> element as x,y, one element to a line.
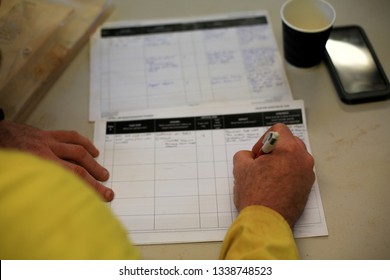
<point>184,62</point>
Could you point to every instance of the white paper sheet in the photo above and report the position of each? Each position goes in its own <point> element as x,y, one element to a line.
<point>171,169</point>
<point>187,61</point>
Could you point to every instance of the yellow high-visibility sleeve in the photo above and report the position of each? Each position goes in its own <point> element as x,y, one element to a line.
<point>259,233</point>
<point>46,212</point>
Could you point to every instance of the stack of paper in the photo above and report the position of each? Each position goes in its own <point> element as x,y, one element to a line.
<point>173,101</point>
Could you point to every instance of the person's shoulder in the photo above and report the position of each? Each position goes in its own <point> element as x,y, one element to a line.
<point>48,206</point>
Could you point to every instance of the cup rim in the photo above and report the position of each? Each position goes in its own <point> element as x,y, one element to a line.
<point>308,30</point>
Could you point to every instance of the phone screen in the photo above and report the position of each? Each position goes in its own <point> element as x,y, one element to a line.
<point>354,62</point>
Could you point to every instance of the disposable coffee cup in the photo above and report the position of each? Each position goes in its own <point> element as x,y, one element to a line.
<point>306,28</point>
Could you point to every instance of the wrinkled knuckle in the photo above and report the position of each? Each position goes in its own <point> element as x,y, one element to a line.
<point>279,126</point>
<point>80,152</point>
<point>80,171</point>
<point>311,160</point>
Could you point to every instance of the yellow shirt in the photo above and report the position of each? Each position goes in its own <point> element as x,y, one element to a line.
<point>46,212</point>
<point>259,233</point>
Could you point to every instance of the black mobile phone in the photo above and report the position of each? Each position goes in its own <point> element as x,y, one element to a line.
<point>354,67</point>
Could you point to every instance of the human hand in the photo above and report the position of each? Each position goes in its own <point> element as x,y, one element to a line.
<point>68,148</point>
<point>281,180</point>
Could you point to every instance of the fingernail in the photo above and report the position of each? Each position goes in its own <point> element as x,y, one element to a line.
<point>106,173</point>
<point>109,195</point>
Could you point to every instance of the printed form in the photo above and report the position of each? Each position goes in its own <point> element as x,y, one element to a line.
<point>173,100</point>
<point>171,169</point>
<point>188,61</point>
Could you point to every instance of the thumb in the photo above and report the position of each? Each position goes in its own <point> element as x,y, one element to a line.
<point>242,157</point>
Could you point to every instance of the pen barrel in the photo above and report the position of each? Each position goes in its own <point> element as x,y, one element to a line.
<point>267,148</point>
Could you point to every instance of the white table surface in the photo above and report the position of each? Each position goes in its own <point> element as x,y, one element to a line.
<point>350,143</point>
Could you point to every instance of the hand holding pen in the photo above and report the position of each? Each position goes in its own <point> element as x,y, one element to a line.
<point>280,180</point>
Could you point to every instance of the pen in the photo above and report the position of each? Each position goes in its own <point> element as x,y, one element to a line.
<point>269,142</point>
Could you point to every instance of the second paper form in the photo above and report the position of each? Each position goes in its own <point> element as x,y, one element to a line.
<point>154,64</point>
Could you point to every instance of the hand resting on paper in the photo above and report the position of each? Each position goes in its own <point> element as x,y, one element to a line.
<point>67,148</point>
<point>281,180</point>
